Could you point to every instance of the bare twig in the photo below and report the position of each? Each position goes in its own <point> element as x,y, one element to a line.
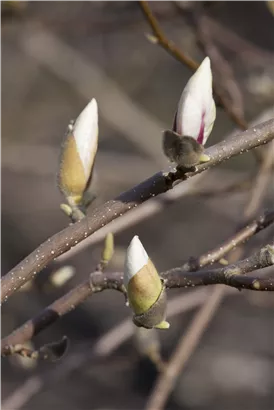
<point>180,56</point>
<point>169,46</point>
<point>107,344</point>
<point>157,184</point>
<point>231,275</point>
<point>240,237</point>
<point>179,277</point>
<point>51,351</point>
<point>158,204</point>
<point>155,205</point>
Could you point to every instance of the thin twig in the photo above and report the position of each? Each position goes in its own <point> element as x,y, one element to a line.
<point>155,185</point>
<point>169,46</point>
<point>178,277</point>
<point>180,56</point>
<point>106,345</point>
<point>232,275</point>
<point>153,206</point>
<point>240,237</point>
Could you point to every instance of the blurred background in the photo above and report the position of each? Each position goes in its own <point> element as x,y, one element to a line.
<point>56,56</point>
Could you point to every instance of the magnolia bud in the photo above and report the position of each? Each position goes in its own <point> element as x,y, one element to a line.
<point>193,120</point>
<point>78,154</point>
<point>196,111</point>
<point>145,289</point>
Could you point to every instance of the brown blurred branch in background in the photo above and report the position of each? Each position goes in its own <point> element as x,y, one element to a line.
<point>226,86</point>
<point>12,9</point>
<point>99,281</point>
<point>235,43</point>
<point>261,182</point>
<point>234,107</point>
<point>184,349</point>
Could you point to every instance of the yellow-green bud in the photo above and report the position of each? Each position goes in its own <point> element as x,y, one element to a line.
<point>108,250</point>
<point>78,154</point>
<point>145,289</point>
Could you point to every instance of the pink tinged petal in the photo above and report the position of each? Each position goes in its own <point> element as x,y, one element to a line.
<point>200,138</point>
<point>174,126</point>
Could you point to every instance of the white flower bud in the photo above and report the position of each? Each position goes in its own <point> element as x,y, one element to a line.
<point>145,289</point>
<point>78,153</point>
<point>196,111</point>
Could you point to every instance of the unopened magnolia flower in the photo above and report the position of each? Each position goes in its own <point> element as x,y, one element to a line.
<point>196,111</point>
<point>193,120</point>
<point>145,290</point>
<point>78,154</point>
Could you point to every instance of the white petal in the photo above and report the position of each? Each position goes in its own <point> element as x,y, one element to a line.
<point>196,104</point>
<point>136,258</point>
<point>85,131</point>
<point>210,117</point>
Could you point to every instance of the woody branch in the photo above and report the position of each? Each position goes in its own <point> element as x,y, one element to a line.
<point>153,186</point>
<point>184,276</point>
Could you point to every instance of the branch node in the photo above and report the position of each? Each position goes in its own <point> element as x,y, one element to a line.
<point>267,255</point>
<point>231,271</point>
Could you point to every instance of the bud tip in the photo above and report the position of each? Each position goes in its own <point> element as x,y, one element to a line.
<point>136,258</point>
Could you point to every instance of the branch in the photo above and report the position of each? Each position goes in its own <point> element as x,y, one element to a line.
<point>175,52</point>
<point>155,185</point>
<point>232,275</point>
<point>106,344</point>
<point>153,206</point>
<point>98,282</point>
<point>189,340</point>
<point>244,234</point>
<point>169,46</point>
<point>187,344</point>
